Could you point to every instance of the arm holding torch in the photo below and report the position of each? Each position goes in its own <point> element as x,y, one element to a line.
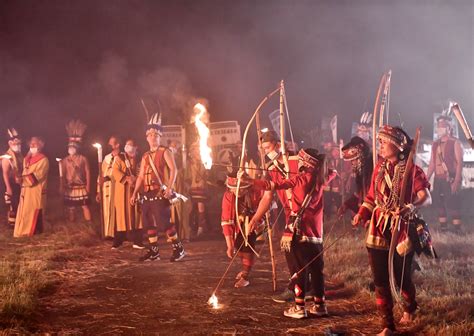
<point>61,178</point>
<point>100,195</point>
<point>456,110</point>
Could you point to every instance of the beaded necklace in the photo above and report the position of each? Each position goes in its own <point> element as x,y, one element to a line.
<point>390,202</point>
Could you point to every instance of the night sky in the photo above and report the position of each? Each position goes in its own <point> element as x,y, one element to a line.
<point>96,59</point>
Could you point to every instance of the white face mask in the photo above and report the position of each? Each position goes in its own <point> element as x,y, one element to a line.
<point>442,131</point>
<point>273,155</point>
<point>71,150</point>
<point>16,148</point>
<point>130,150</point>
<point>33,150</point>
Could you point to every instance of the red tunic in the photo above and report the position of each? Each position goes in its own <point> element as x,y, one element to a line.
<point>311,226</point>
<point>151,181</point>
<point>377,206</point>
<point>277,177</point>
<point>447,156</point>
<point>228,219</point>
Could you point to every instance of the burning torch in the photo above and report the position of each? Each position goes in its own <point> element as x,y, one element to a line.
<point>204,133</point>
<point>61,182</point>
<point>456,110</point>
<point>98,146</point>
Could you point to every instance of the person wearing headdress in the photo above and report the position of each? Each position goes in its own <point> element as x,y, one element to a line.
<point>303,235</point>
<point>76,179</point>
<point>157,177</point>
<point>12,166</point>
<point>277,172</point>
<point>363,128</point>
<point>381,209</point>
<point>127,216</point>
<point>33,180</point>
<point>197,177</point>
<point>108,184</point>
<point>446,165</point>
<point>358,153</point>
<point>248,203</point>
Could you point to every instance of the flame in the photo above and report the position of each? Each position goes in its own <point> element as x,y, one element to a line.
<point>213,302</point>
<point>58,159</point>
<point>97,145</point>
<point>6,157</point>
<point>264,130</point>
<point>204,133</point>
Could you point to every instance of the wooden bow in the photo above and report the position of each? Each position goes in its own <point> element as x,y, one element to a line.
<point>242,165</point>
<point>267,216</point>
<point>380,106</point>
<point>397,220</point>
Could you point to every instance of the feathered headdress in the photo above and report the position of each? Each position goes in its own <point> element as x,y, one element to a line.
<point>366,118</point>
<point>154,125</point>
<point>12,134</point>
<point>75,130</point>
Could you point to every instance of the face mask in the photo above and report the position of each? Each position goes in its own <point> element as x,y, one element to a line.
<point>33,150</point>
<point>273,155</point>
<point>173,150</point>
<point>442,131</point>
<point>16,148</point>
<point>71,150</point>
<point>130,150</point>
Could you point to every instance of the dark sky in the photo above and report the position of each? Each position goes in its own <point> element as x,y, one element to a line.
<point>95,59</point>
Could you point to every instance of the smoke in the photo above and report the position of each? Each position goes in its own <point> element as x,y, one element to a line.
<point>169,91</point>
<point>95,61</point>
<point>113,75</point>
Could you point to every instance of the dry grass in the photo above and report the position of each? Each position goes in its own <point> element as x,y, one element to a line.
<point>444,286</point>
<point>53,264</point>
<point>29,269</point>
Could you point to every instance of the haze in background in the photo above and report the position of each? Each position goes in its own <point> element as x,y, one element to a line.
<point>95,59</point>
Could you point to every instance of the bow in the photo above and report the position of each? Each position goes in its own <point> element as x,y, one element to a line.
<point>282,127</point>
<point>242,165</point>
<point>379,108</point>
<point>396,228</point>
<point>267,217</point>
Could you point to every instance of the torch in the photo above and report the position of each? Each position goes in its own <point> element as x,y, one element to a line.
<point>204,133</point>
<point>454,108</point>
<point>61,182</point>
<point>98,146</point>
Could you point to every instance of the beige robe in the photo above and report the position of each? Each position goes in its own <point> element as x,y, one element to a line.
<point>33,195</point>
<point>127,217</point>
<point>108,192</point>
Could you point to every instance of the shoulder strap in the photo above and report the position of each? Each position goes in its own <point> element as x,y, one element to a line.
<point>153,167</point>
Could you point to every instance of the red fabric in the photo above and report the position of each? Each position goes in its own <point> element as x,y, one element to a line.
<point>276,176</point>
<point>311,226</point>
<point>416,182</point>
<point>30,159</point>
<point>35,222</point>
<point>160,165</point>
<point>449,155</point>
<point>228,220</point>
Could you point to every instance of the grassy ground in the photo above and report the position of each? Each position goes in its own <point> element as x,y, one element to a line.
<point>68,282</point>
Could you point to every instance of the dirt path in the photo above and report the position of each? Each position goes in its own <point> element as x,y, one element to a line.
<point>114,294</point>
